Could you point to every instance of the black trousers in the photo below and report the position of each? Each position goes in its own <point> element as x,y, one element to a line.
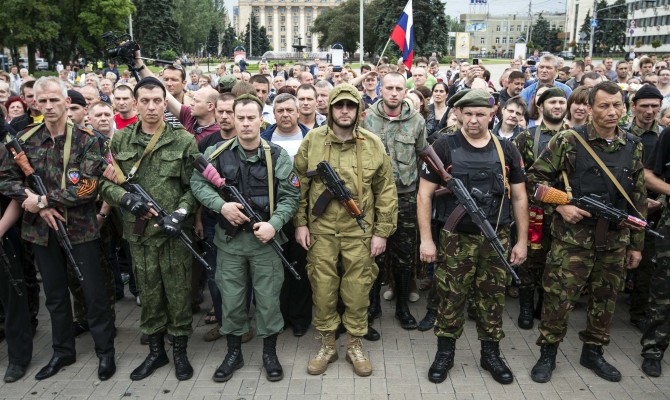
<point>18,331</point>
<point>52,264</point>
<point>296,295</point>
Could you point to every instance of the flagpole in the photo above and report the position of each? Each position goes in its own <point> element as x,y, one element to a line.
<point>383,51</point>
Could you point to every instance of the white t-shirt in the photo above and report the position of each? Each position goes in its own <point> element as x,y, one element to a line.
<point>288,143</point>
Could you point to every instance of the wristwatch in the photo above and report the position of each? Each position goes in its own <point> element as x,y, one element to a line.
<point>39,202</point>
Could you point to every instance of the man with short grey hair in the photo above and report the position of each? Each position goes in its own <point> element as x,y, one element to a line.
<point>547,69</point>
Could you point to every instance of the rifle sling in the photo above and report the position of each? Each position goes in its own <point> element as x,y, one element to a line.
<point>359,162</point>
<point>322,203</point>
<point>602,166</point>
<point>455,218</point>
<point>147,150</point>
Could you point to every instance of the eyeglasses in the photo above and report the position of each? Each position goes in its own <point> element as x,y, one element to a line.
<point>345,103</point>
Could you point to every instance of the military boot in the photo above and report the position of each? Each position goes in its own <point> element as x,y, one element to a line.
<point>402,313</point>
<point>375,308</point>
<point>157,358</point>
<point>541,372</point>
<point>182,367</point>
<point>444,359</point>
<point>492,362</point>
<point>525,319</point>
<point>233,360</point>
<point>428,321</point>
<point>650,366</point>
<point>355,355</point>
<point>326,355</point>
<point>372,335</point>
<point>592,358</point>
<point>273,369</point>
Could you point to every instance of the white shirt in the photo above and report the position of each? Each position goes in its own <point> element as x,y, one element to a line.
<point>288,143</point>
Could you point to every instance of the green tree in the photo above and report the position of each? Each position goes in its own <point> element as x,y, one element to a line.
<point>611,31</point>
<point>340,25</point>
<point>213,41</point>
<point>195,18</point>
<point>544,37</point>
<point>229,41</point>
<point>430,24</point>
<point>155,27</point>
<point>259,43</point>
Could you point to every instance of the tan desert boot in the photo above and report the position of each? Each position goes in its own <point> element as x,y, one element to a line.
<point>355,355</point>
<point>326,355</point>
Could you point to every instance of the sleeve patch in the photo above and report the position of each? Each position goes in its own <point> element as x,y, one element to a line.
<point>293,179</point>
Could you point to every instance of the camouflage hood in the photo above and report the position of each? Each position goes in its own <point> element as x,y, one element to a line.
<point>406,110</point>
<point>342,92</point>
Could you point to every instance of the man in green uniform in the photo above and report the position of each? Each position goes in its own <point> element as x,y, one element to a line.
<point>403,132</point>
<point>359,158</point>
<point>158,157</point>
<point>263,173</point>
<point>584,249</point>
<point>495,169</point>
<point>531,143</point>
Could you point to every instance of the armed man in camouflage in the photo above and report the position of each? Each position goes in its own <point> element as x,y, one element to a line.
<point>645,106</point>
<point>158,157</point>
<point>493,167</point>
<point>334,235</point>
<point>403,132</point>
<point>656,337</point>
<point>553,106</point>
<point>580,253</point>
<point>68,160</point>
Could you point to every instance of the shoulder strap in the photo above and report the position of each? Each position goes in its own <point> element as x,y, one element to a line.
<point>501,155</point>
<point>271,174</point>
<point>220,149</point>
<point>66,150</point>
<point>606,170</point>
<point>536,140</point>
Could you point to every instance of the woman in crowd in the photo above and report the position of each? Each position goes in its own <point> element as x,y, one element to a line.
<point>577,113</point>
<point>437,109</point>
<point>16,107</point>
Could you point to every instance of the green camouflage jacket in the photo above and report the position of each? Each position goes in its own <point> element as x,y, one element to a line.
<point>560,156</point>
<point>404,139</point>
<point>165,174</point>
<point>76,201</point>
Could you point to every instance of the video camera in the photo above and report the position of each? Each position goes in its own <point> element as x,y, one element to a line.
<point>121,48</point>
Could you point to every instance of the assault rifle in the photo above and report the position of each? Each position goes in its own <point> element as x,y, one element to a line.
<point>471,208</point>
<point>335,188</point>
<point>596,207</point>
<point>14,147</point>
<point>231,193</point>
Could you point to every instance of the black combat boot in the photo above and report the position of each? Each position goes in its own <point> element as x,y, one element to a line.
<point>157,358</point>
<point>428,321</point>
<point>541,372</point>
<point>402,313</point>
<point>525,319</point>
<point>372,335</point>
<point>182,367</point>
<point>444,359</point>
<point>375,308</point>
<point>592,358</point>
<point>232,361</point>
<point>273,369</point>
<point>652,367</point>
<point>492,362</point>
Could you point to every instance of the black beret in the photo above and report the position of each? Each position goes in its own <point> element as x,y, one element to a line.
<point>149,80</point>
<point>549,93</point>
<point>76,98</point>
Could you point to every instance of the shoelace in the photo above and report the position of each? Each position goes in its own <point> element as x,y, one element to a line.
<point>357,349</point>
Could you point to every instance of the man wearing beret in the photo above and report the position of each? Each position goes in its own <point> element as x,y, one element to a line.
<point>159,158</point>
<point>596,159</point>
<point>483,162</point>
<point>645,106</point>
<point>553,106</point>
<point>78,109</point>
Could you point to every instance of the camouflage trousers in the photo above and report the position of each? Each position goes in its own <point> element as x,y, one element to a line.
<point>469,263</point>
<point>569,269</point>
<point>401,247</point>
<point>163,275</point>
<point>656,338</point>
<point>78,304</point>
<point>639,298</point>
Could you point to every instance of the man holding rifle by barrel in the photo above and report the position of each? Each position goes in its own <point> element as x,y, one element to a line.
<point>600,167</point>
<point>486,180</point>
<point>265,186</point>
<point>349,163</point>
<point>53,170</point>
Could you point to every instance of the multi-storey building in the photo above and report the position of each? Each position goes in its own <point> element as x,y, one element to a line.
<point>287,22</point>
<point>648,22</point>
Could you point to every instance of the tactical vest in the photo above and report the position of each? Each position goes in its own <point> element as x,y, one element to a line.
<point>589,179</point>
<point>477,170</point>
<point>540,140</point>
<point>251,179</point>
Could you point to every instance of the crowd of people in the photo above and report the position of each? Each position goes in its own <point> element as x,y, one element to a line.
<point>187,180</point>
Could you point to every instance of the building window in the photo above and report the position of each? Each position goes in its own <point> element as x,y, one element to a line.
<point>504,40</point>
<point>282,10</point>
<point>283,20</point>
<point>283,28</point>
<point>497,28</point>
<point>482,40</point>
<point>518,28</point>
<point>308,20</point>
<point>497,40</point>
<point>283,39</point>
<point>296,18</point>
<point>269,29</point>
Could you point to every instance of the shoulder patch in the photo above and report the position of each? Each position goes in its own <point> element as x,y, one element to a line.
<point>86,130</point>
<point>293,179</point>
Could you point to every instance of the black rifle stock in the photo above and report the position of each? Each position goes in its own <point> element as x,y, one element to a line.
<point>231,193</point>
<point>470,205</point>
<point>14,147</point>
<point>336,188</point>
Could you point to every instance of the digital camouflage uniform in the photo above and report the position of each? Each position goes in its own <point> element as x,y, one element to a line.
<point>162,265</point>
<point>335,234</point>
<point>531,271</point>
<point>574,260</point>
<point>639,297</point>
<point>243,256</point>
<point>77,204</point>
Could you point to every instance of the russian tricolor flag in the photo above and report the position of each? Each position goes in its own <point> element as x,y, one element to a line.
<point>403,35</point>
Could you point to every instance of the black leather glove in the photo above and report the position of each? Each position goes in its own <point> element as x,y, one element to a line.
<point>134,204</point>
<point>171,224</point>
